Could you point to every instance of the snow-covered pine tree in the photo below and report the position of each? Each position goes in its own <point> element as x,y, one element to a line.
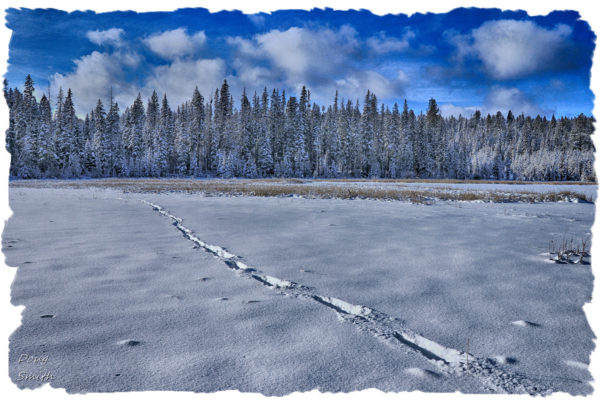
<point>99,142</point>
<point>163,141</point>
<point>114,141</point>
<point>26,133</point>
<point>47,150</point>
<point>70,140</point>
<point>150,133</point>
<point>199,143</point>
<point>133,137</point>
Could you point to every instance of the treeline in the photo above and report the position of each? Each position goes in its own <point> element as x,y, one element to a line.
<point>274,135</point>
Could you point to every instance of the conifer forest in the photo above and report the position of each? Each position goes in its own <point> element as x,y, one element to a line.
<point>272,134</point>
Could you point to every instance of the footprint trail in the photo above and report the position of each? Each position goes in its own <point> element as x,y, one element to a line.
<point>447,360</point>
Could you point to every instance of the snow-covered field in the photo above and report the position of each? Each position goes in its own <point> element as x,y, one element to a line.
<point>176,291</point>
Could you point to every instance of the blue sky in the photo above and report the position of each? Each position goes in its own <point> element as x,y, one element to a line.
<point>466,59</point>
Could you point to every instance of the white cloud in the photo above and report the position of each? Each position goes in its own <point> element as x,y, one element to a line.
<point>402,77</point>
<point>504,99</point>
<point>94,76</point>
<point>497,99</point>
<point>382,44</point>
<point>247,58</point>
<point>179,78</point>
<point>257,20</point>
<point>306,55</point>
<point>97,73</point>
<point>254,76</point>
<point>356,83</point>
<point>245,48</point>
<point>450,109</point>
<point>128,58</point>
<point>511,49</point>
<point>175,43</point>
<point>109,36</point>
<point>323,59</point>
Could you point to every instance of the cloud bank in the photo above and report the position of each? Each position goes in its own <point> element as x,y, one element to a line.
<point>109,36</point>
<point>512,49</point>
<point>175,43</point>
<point>490,60</point>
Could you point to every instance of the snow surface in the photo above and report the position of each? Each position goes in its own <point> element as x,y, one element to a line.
<point>276,295</point>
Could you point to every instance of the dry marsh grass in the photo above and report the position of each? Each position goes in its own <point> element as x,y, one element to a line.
<point>303,188</point>
<point>459,181</point>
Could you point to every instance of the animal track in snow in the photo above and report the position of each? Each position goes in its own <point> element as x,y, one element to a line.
<point>389,329</point>
<point>525,324</point>
<point>129,342</point>
<point>421,373</point>
<point>576,364</point>
<point>505,360</point>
